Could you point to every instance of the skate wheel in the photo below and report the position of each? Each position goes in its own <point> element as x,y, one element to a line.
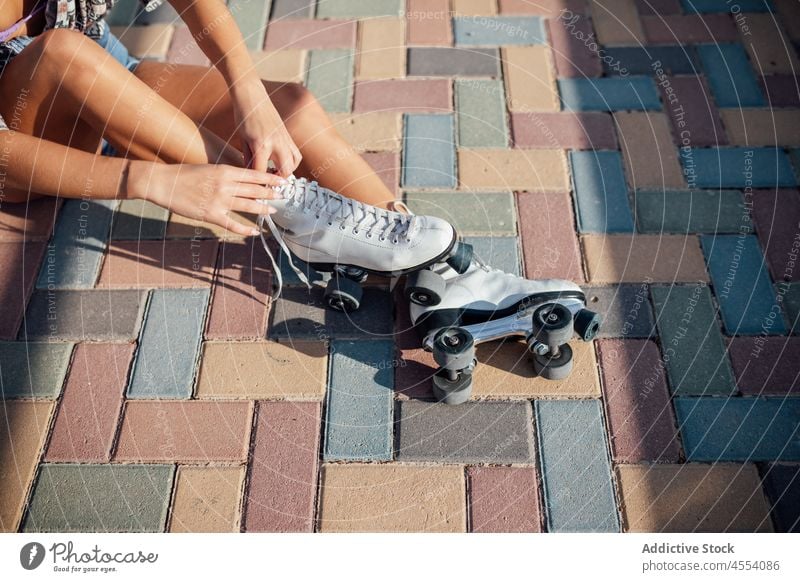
<point>552,324</point>
<point>461,258</point>
<point>552,367</point>
<point>452,391</point>
<point>353,273</point>
<point>587,324</point>
<point>453,348</point>
<point>343,294</point>
<point>425,287</point>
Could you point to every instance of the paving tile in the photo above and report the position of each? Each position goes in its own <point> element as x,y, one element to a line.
<point>601,194</point>
<point>684,211</point>
<point>474,432</point>
<point>415,95</point>
<point>172,263</point>
<point>659,7</point>
<point>692,498</point>
<point>617,22</point>
<point>626,310</point>
<point>33,369</point>
<point>206,500</point>
<point>575,131</point>
<point>768,45</point>
<point>739,429</point>
<point>781,90</point>
<point>123,13</point>
<point>766,365</point>
<point>183,50</point>
<point>391,498</point>
<point>174,326</point>
<point>241,291</point>
<point>251,18</point>
<point>549,245</point>
<point>474,7</point>
<point>359,412</point>
<point>791,304</point>
<point>572,54</point>
<point>641,60</point>
<point>370,132</point>
<point>453,61</point>
<point>609,94</point>
<point>738,168</point>
<point>689,29</point>
<point>746,298</point>
<point>651,159</point>
<point>498,30</point>
<point>481,114</point>
<point>501,252</point>
<point>282,476</point>
<point>359,9</point>
<point>32,221</point>
<point>146,42</point>
<point>428,23</point>
<point>382,51</point>
<point>692,113</point>
<point>386,166</point>
<point>762,127</point>
<point>533,170</point>
<point>782,487</point>
<point>184,431</point>
<point>776,214</point>
<point>691,342</point>
<point>429,152</point>
<point>721,6</point>
<point>87,418</point>
<point>139,220</point>
<point>330,78</point>
<point>310,34</point>
<point>292,9</point>
<point>299,314</point>
<point>576,471</point>
<point>284,66</point>
<point>123,498</point>
<point>76,249</point>
<point>530,79</point>
<point>789,17</point>
<point>503,500</point>
<point>180,227</point>
<point>483,213</point>
<point>84,315</point>
<point>551,8</point>
<point>637,402</point>
<point>21,263</point>
<point>730,75</point>
<point>24,427</point>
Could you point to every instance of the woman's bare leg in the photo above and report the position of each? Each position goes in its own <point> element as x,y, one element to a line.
<point>201,93</point>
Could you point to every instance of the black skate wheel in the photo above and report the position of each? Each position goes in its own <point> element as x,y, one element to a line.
<point>343,294</point>
<point>552,367</point>
<point>461,258</point>
<point>449,391</point>
<point>552,324</point>
<point>453,348</point>
<point>425,287</point>
<point>353,273</point>
<point>587,324</point>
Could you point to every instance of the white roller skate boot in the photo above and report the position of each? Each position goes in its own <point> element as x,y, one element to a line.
<point>486,304</point>
<point>350,240</point>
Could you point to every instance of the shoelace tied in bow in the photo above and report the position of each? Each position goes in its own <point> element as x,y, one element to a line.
<point>363,220</point>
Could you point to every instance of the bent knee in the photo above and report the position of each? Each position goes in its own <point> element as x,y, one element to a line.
<point>297,100</point>
<point>64,48</point>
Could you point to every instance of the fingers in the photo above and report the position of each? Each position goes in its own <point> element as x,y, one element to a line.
<point>284,161</point>
<point>249,176</point>
<point>251,206</point>
<point>255,191</point>
<point>229,224</point>
<point>260,160</point>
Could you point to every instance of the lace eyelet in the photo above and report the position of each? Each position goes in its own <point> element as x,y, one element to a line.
<point>342,227</point>
<point>355,231</point>
<point>330,223</point>
<point>316,216</point>
<point>368,235</point>
<point>381,238</point>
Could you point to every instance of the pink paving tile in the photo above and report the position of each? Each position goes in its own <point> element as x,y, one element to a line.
<point>241,292</point>
<point>387,166</point>
<point>542,7</point>
<point>692,112</point>
<point>574,131</point>
<point>283,471</point>
<point>690,29</point>
<point>503,500</point>
<point>777,217</point>
<point>413,373</point>
<point>19,267</point>
<point>31,221</point>
<point>310,34</point>
<point>573,57</point>
<point>637,402</point>
<point>662,7</point>
<point>159,263</point>
<point>87,418</point>
<point>413,95</point>
<point>190,431</point>
<point>428,23</point>
<point>549,246</point>
<point>766,365</point>
<point>782,90</point>
<point>184,50</point>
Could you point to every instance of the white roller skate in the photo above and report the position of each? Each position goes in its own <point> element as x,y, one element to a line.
<point>350,240</point>
<point>486,304</point>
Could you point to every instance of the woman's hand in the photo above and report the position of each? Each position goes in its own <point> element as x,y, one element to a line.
<point>205,192</point>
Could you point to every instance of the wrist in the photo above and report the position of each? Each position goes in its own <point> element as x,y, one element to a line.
<point>135,177</point>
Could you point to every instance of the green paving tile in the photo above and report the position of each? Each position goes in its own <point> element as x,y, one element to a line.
<point>484,213</point>
<point>358,8</point>
<point>33,369</point>
<point>480,106</point>
<point>790,293</point>
<point>681,211</point>
<point>139,220</point>
<point>330,78</point>
<point>251,16</point>
<point>100,498</point>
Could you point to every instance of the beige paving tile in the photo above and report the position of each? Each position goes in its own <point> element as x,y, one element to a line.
<point>531,170</point>
<point>617,22</point>
<point>382,49</point>
<point>474,7</point>
<point>371,132</point>
<point>770,49</point>
<point>651,157</point>
<point>207,499</point>
<point>282,65</point>
<point>530,79</point>
<point>150,41</point>
<point>762,127</point>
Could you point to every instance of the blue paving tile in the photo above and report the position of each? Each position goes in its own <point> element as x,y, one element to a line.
<point>358,8</point>
<point>74,254</point>
<point>501,252</point>
<point>609,94</point>
<point>725,6</point>
<point>601,194</point>
<point>292,9</point>
<point>359,416</point>
<point>673,60</point>
<point>730,75</point>
<point>330,78</point>
<point>251,17</point>
<point>742,286</point>
<point>739,429</point>
<point>737,168</point>
<point>33,369</point>
<point>576,470</point>
<point>124,12</point>
<point>429,156</point>
<point>782,486</point>
<point>499,30</point>
<point>169,344</point>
